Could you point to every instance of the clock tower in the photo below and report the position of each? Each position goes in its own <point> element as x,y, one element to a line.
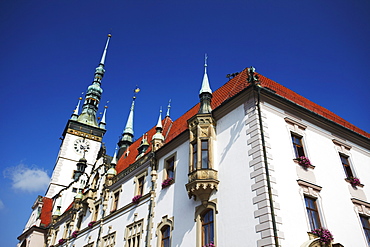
<point>82,136</point>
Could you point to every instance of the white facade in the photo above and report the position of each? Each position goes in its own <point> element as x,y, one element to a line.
<point>240,201</point>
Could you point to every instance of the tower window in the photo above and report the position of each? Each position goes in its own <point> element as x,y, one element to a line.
<point>297,146</point>
<point>312,213</point>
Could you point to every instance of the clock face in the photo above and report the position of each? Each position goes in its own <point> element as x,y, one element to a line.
<point>81,146</point>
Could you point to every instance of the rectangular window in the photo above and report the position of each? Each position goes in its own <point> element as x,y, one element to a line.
<point>346,165</point>
<point>312,213</point>
<point>366,226</point>
<point>204,154</point>
<point>109,240</point>
<point>170,167</point>
<point>133,234</point>
<point>140,186</point>
<point>195,158</point>
<point>96,213</point>
<point>115,201</point>
<point>207,228</point>
<point>298,146</point>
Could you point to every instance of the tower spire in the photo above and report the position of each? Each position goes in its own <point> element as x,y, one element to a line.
<point>205,93</point>
<point>94,92</point>
<point>128,134</point>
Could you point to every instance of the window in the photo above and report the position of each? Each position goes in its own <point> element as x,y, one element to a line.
<point>115,201</point>
<point>54,239</point>
<point>195,158</point>
<point>312,212</point>
<point>109,240</point>
<point>170,167</point>
<point>164,231</point>
<point>165,241</point>
<point>140,188</point>
<point>206,224</point>
<point>79,221</point>
<point>346,165</point>
<point>207,227</point>
<point>67,230</point>
<point>133,234</point>
<point>366,226</point>
<point>96,213</point>
<point>204,149</point>
<point>297,146</point>
<point>89,245</point>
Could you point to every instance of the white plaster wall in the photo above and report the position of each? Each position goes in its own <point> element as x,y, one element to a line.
<point>235,221</point>
<point>337,210</point>
<point>173,201</point>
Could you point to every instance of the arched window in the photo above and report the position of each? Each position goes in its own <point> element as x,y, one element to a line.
<point>207,227</point>
<point>165,241</point>
<point>164,231</point>
<point>205,218</point>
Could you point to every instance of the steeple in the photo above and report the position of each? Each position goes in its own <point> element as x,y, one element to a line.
<point>93,94</point>
<point>128,134</point>
<point>205,93</point>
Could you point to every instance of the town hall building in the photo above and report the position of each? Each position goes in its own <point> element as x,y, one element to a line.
<point>251,164</point>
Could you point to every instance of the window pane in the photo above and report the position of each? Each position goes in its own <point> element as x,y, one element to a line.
<point>297,146</point>
<point>346,166</point>
<point>207,228</point>
<point>312,213</point>
<point>195,160</point>
<point>366,227</point>
<point>204,159</point>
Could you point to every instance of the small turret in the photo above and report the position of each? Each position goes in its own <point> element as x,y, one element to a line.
<point>128,134</point>
<point>158,138</point>
<point>205,93</point>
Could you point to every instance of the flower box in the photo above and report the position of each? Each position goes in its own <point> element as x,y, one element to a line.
<point>74,234</point>
<point>167,182</point>
<point>91,224</point>
<point>354,181</point>
<point>61,241</point>
<point>324,234</point>
<point>136,199</point>
<point>304,162</point>
<point>211,244</point>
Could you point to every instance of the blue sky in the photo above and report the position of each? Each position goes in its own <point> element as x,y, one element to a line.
<point>319,49</point>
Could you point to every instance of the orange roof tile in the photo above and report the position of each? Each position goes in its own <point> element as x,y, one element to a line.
<point>227,91</point>
<point>45,215</point>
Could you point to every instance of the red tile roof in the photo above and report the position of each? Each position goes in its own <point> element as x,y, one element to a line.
<point>227,91</point>
<point>45,215</point>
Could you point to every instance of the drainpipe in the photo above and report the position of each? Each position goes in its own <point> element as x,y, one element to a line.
<point>256,86</point>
